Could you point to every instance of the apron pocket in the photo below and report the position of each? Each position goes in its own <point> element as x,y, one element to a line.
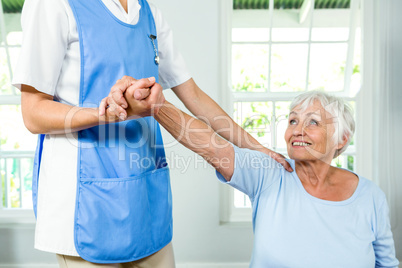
<point>123,219</point>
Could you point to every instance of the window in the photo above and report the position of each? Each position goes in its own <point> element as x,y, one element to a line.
<point>279,49</point>
<point>17,144</point>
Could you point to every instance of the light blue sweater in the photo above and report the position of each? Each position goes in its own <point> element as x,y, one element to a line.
<point>295,229</point>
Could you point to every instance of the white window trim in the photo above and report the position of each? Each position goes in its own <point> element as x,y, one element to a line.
<point>364,132</point>
<point>229,214</point>
<point>14,217</point>
<point>226,193</point>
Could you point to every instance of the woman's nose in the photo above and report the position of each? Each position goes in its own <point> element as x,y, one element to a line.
<point>298,130</point>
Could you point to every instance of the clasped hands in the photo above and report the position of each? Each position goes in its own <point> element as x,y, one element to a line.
<point>130,99</point>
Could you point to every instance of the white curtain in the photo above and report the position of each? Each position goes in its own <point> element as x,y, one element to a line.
<point>379,111</point>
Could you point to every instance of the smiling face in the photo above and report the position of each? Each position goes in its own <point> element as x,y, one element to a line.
<point>309,134</point>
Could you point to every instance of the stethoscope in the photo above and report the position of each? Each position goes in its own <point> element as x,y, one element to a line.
<point>153,38</point>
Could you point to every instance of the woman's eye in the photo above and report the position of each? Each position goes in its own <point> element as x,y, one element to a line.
<point>313,122</point>
<point>292,122</point>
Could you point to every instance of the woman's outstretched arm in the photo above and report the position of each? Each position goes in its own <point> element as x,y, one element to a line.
<point>198,137</point>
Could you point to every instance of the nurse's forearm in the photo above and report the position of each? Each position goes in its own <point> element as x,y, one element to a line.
<point>58,118</point>
<point>42,115</point>
<point>198,137</point>
<point>207,110</point>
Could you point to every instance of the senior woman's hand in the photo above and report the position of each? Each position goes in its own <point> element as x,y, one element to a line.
<point>137,105</point>
<point>115,104</point>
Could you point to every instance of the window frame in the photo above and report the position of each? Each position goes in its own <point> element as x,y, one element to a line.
<point>229,19</point>
<point>12,216</point>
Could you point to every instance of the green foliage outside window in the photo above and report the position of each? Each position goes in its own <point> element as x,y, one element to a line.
<point>3,186</point>
<point>248,85</point>
<point>259,122</point>
<point>10,182</point>
<point>5,83</point>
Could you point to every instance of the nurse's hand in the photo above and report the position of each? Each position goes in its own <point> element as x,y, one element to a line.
<point>142,107</point>
<point>114,104</point>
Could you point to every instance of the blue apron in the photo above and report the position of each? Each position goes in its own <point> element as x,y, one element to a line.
<point>123,204</point>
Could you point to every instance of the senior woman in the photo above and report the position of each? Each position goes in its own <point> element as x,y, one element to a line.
<point>318,215</point>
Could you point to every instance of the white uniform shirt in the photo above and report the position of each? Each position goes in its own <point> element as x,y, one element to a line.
<point>50,62</point>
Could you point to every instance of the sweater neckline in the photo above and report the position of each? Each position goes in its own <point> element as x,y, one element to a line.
<point>323,201</point>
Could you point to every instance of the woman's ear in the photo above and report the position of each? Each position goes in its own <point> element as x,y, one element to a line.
<point>345,140</point>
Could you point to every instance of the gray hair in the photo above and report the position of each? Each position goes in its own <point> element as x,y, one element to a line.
<point>340,110</point>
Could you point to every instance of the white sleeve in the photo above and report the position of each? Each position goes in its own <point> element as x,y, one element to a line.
<point>172,68</point>
<point>44,44</point>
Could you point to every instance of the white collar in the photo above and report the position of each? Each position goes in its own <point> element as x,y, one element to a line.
<point>133,10</point>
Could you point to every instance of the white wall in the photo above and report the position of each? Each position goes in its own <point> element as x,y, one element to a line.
<point>380,106</point>
<point>394,78</point>
<point>198,236</point>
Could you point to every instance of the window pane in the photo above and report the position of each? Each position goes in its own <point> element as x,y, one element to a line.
<point>290,34</point>
<point>331,25</point>
<point>13,134</point>
<point>355,83</point>
<point>250,35</point>
<point>5,81</point>
<point>281,112</point>
<point>344,161</point>
<point>14,38</point>
<point>14,55</point>
<point>350,162</point>
<point>241,200</point>
<point>15,186</point>
<point>327,67</point>
<point>249,68</point>
<point>12,22</point>
<point>255,118</point>
<point>26,173</point>
<point>286,25</point>
<point>352,105</point>
<point>330,34</point>
<point>288,71</point>
<point>3,182</point>
<point>16,177</point>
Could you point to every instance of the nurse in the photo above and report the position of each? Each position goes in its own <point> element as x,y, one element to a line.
<point>93,201</point>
